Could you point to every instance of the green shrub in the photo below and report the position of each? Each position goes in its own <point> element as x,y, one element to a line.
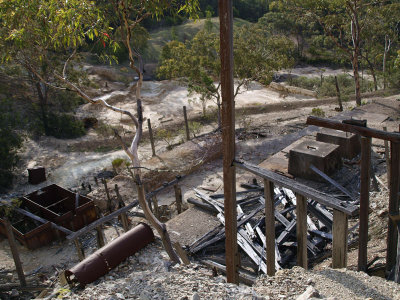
<point>306,83</point>
<point>318,112</point>
<point>195,128</point>
<point>65,126</point>
<point>165,135</point>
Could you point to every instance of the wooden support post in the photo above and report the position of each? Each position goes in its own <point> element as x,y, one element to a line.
<point>269,226</point>
<point>124,217</point>
<point>338,94</point>
<point>155,206</point>
<point>387,157</point>
<point>95,180</point>
<point>340,232</point>
<point>182,253</point>
<point>364,203</point>
<point>100,236</point>
<point>393,205</point>
<point>153,148</point>
<point>301,231</point>
<point>79,250</point>
<point>228,139</point>
<point>178,197</point>
<point>109,208</point>
<point>14,251</point>
<point>186,123</point>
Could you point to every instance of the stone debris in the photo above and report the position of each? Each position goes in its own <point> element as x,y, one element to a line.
<point>149,275</point>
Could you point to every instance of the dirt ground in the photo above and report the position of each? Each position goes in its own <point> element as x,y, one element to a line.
<point>263,135</point>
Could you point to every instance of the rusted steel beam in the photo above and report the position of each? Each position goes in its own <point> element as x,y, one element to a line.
<point>364,131</point>
<point>393,205</point>
<point>228,138</point>
<point>364,203</point>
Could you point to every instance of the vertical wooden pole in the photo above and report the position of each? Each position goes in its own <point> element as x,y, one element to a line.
<point>109,208</point>
<point>269,226</point>
<point>100,236</point>
<point>301,231</point>
<point>338,94</point>
<point>387,156</point>
<point>153,148</point>
<point>186,123</point>
<point>393,205</point>
<point>155,206</point>
<point>79,250</point>
<point>339,243</point>
<point>178,197</point>
<point>364,203</point>
<point>228,138</point>
<point>181,253</point>
<point>124,217</point>
<point>14,251</point>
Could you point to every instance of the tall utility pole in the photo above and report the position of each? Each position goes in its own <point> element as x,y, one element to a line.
<point>228,139</point>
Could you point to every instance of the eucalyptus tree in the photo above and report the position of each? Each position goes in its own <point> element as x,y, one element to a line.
<point>344,21</point>
<point>32,31</point>
<point>196,63</point>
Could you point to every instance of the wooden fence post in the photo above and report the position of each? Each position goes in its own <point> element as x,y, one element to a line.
<point>186,123</point>
<point>338,94</point>
<point>301,230</point>
<point>178,197</point>
<point>79,250</point>
<point>269,226</point>
<point>155,206</point>
<point>393,205</point>
<point>387,157</point>
<point>109,208</point>
<point>339,243</point>
<point>14,251</point>
<point>124,217</point>
<point>364,203</point>
<point>153,148</point>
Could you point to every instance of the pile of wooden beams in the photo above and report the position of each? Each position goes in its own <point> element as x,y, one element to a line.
<point>251,228</point>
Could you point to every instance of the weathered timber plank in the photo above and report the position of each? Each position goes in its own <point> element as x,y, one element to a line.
<point>364,203</point>
<point>299,188</point>
<point>394,183</point>
<point>364,131</point>
<point>270,226</point>
<point>301,231</point>
<point>339,243</point>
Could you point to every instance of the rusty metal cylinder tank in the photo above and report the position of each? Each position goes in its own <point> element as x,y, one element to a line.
<point>105,259</point>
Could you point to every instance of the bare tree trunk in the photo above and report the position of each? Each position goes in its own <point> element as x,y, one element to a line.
<point>42,95</point>
<point>385,51</point>
<point>357,80</point>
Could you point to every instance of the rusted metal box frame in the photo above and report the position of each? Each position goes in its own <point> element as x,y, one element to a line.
<point>73,219</point>
<point>42,234</point>
<point>61,202</point>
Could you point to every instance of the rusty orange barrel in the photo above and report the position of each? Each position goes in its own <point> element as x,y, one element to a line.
<point>105,259</point>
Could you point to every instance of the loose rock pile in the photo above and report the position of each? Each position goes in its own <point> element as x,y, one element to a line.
<point>149,275</point>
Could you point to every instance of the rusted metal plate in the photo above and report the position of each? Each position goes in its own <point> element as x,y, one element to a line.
<point>110,256</point>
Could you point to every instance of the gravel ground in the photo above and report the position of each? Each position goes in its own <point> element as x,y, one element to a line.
<point>149,275</point>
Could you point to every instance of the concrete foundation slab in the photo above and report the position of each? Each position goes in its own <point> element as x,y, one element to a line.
<point>349,143</point>
<point>324,156</point>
